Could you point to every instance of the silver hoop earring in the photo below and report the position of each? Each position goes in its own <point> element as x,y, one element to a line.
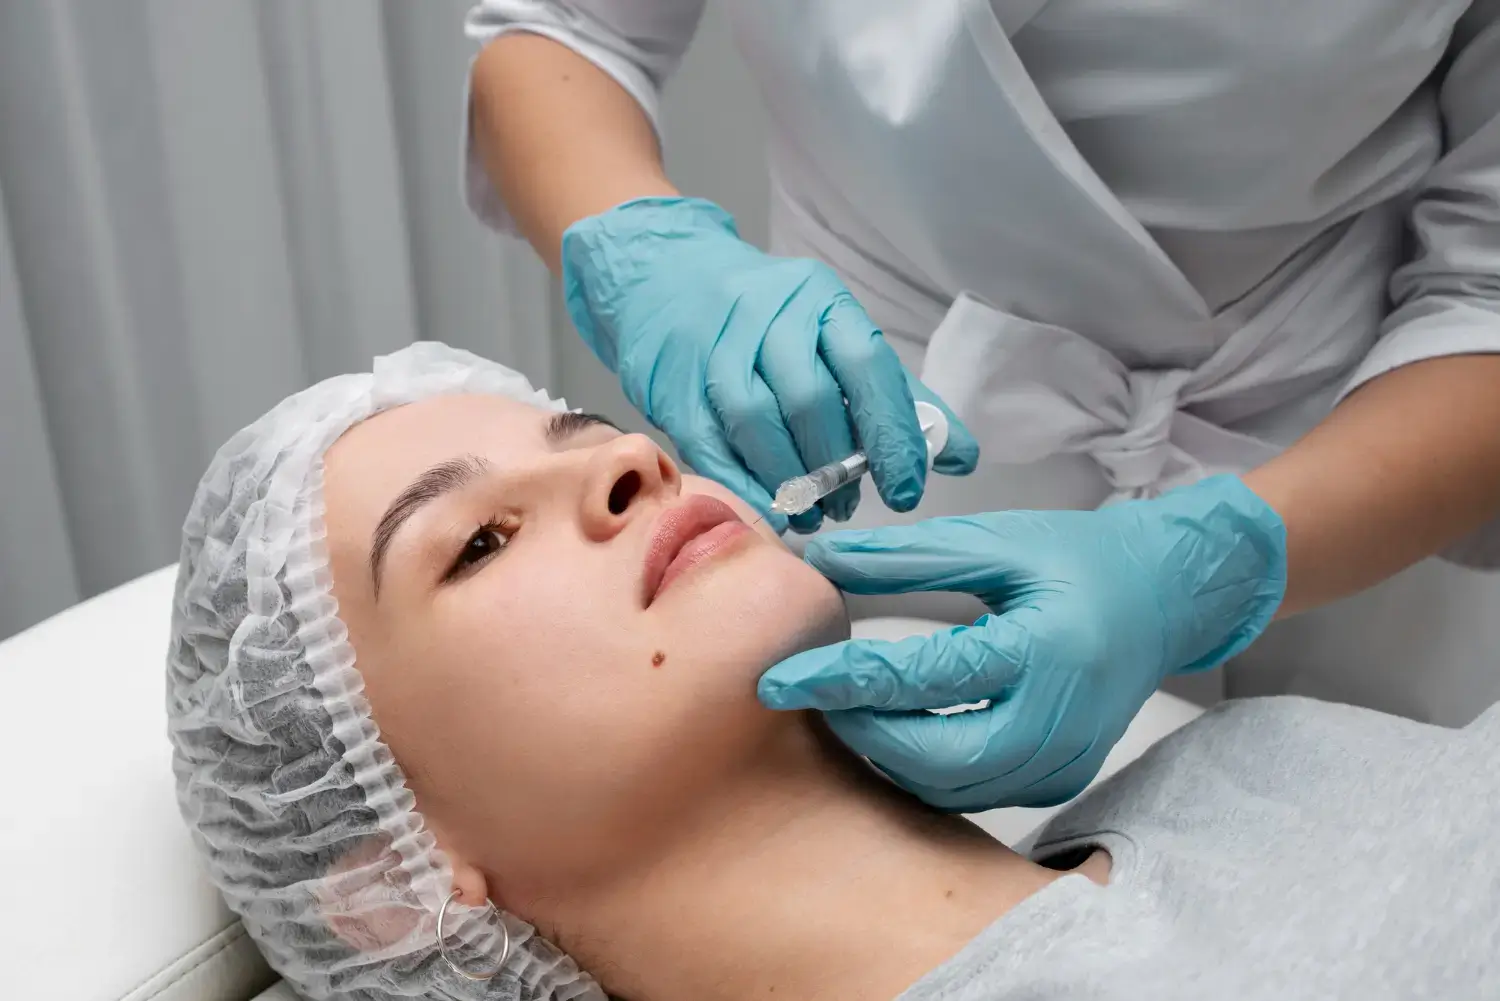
<point>443,945</point>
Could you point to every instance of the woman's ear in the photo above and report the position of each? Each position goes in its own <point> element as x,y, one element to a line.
<point>468,880</point>
<point>367,900</point>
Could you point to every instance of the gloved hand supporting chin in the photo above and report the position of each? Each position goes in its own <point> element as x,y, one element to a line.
<point>1090,610</point>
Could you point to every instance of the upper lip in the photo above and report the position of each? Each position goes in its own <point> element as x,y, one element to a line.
<point>676,527</point>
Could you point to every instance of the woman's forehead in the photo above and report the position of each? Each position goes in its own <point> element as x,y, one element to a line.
<point>378,458</point>
<point>441,427</point>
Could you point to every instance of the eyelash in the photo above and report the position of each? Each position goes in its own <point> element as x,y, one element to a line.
<point>505,528</point>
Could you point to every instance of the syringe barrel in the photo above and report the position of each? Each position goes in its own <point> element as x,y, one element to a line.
<point>851,468</point>
<point>800,493</point>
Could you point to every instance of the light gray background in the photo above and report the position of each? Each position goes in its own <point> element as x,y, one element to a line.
<point>206,206</point>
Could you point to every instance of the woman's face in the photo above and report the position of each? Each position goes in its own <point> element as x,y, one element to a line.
<point>559,632</point>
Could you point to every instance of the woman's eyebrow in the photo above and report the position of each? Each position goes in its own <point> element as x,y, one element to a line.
<point>444,478</point>
<point>565,425</point>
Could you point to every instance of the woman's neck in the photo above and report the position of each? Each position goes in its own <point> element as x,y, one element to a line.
<point>809,877</point>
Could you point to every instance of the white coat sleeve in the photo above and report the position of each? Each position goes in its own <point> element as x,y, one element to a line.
<point>637,42</point>
<point>1445,297</point>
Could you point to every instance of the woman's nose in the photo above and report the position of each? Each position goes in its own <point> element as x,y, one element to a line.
<point>622,476</point>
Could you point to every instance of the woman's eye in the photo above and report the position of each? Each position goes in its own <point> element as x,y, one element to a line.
<point>483,544</point>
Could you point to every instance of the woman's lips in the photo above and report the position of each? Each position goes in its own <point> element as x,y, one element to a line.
<point>703,548</point>
<point>686,535</point>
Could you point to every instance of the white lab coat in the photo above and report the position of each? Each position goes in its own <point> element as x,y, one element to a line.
<point>1132,243</point>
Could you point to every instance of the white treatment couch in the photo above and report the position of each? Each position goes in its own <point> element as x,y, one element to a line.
<point>103,897</point>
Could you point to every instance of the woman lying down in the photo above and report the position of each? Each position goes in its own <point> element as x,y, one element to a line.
<point>450,663</point>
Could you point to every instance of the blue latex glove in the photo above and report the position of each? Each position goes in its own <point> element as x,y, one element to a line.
<point>745,360</point>
<point>1091,609</point>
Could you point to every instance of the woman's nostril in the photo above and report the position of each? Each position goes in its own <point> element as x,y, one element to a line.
<point>624,491</point>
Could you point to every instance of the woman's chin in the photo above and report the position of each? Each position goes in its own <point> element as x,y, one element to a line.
<point>820,616</point>
<point>833,624</point>
<point>762,606</point>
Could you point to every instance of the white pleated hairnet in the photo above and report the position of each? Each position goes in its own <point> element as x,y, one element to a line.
<point>299,808</point>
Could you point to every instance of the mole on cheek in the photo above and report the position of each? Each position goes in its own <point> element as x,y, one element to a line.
<point>658,658</point>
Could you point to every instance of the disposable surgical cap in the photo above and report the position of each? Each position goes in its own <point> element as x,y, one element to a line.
<point>303,815</point>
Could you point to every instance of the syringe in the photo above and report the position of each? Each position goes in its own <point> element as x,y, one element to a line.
<point>800,493</point>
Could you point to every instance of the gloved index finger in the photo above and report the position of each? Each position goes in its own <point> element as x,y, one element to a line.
<point>939,554</point>
<point>881,408</point>
<point>948,668</point>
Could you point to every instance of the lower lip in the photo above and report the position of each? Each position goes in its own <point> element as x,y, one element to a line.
<point>703,548</point>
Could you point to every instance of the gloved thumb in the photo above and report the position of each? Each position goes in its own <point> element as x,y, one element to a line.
<point>939,554</point>
<point>961,454</point>
<point>947,668</point>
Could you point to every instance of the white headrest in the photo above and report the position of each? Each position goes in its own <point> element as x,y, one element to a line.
<point>104,898</point>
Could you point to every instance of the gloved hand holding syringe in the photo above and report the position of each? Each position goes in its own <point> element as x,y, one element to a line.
<point>800,493</point>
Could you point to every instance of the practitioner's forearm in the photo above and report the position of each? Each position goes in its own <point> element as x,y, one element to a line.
<point>559,138</point>
<point>1407,465</point>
